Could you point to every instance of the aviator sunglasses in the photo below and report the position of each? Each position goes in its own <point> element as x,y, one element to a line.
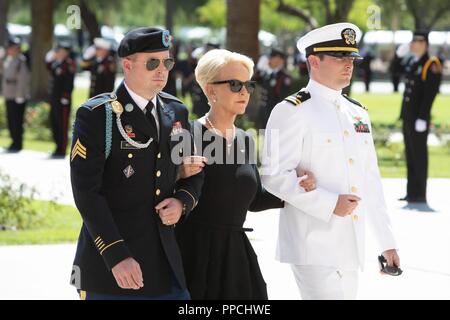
<point>152,63</point>
<point>236,85</point>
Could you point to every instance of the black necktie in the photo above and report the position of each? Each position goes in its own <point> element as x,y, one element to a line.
<point>148,113</point>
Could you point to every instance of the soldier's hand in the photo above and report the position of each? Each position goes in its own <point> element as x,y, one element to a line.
<point>128,274</point>
<point>346,204</point>
<point>64,101</point>
<point>19,100</point>
<point>89,53</point>
<point>420,125</point>
<point>191,166</point>
<point>169,211</point>
<point>309,182</point>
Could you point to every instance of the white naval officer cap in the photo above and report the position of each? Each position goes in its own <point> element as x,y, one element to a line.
<point>102,43</point>
<point>339,40</point>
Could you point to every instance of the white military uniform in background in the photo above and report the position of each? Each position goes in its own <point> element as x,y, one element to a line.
<point>329,134</point>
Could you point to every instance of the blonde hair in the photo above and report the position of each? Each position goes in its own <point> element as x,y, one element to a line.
<point>213,61</point>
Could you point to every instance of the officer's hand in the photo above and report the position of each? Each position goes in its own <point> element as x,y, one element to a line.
<point>191,166</point>
<point>421,125</point>
<point>64,101</point>
<point>307,180</point>
<point>89,53</point>
<point>19,100</point>
<point>346,204</point>
<point>50,56</point>
<point>392,257</point>
<point>128,274</point>
<point>169,211</point>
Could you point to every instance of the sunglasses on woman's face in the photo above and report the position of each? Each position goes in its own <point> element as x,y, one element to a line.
<point>236,85</point>
<point>152,63</point>
<point>390,270</point>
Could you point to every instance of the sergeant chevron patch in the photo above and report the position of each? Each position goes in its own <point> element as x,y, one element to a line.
<point>78,150</point>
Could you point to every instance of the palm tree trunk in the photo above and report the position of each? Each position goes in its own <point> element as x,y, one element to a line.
<point>3,21</point>
<point>41,42</point>
<point>243,27</point>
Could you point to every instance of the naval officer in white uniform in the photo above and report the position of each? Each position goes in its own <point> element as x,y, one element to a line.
<point>321,233</point>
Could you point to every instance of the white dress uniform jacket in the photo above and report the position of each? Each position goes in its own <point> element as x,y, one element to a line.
<point>330,135</point>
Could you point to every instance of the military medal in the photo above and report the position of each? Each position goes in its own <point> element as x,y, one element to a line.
<point>361,126</point>
<point>117,107</point>
<point>176,128</point>
<point>129,131</point>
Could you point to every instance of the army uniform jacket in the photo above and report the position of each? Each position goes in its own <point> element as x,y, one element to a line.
<point>324,132</point>
<point>62,79</point>
<point>103,74</point>
<point>423,78</point>
<point>117,196</point>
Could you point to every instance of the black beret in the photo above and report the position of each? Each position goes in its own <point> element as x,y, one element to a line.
<point>144,39</point>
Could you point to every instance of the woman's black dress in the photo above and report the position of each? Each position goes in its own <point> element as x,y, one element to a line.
<point>219,261</point>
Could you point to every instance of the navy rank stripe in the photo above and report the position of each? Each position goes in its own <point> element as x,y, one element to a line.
<point>298,97</point>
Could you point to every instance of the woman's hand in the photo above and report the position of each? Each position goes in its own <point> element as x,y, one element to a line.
<point>191,166</point>
<point>308,181</point>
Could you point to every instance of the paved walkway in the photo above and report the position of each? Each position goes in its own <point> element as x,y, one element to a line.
<point>43,272</point>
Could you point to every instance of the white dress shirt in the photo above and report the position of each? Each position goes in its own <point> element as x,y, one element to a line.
<point>142,103</point>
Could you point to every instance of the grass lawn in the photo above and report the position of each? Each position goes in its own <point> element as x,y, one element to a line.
<point>60,223</point>
<point>392,163</point>
<point>385,108</point>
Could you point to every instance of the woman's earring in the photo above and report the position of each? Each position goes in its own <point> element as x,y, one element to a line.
<point>214,99</point>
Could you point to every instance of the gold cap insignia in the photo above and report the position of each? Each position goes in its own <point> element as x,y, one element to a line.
<point>349,35</point>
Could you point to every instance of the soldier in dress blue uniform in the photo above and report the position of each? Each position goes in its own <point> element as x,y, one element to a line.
<point>276,84</point>
<point>100,60</point>
<point>423,77</point>
<point>62,69</point>
<point>125,183</point>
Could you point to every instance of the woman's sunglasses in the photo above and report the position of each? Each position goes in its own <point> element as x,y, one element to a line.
<point>236,85</point>
<point>152,63</point>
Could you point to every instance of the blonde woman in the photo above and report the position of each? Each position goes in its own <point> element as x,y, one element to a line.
<point>218,258</point>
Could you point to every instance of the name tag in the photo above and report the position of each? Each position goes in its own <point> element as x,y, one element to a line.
<point>126,146</point>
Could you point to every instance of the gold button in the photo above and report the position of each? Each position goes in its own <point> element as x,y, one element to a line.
<point>158,192</point>
<point>158,173</point>
<point>351,161</point>
<point>159,155</point>
<point>355,217</point>
<point>130,155</point>
<point>354,189</point>
<point>346,133</point>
